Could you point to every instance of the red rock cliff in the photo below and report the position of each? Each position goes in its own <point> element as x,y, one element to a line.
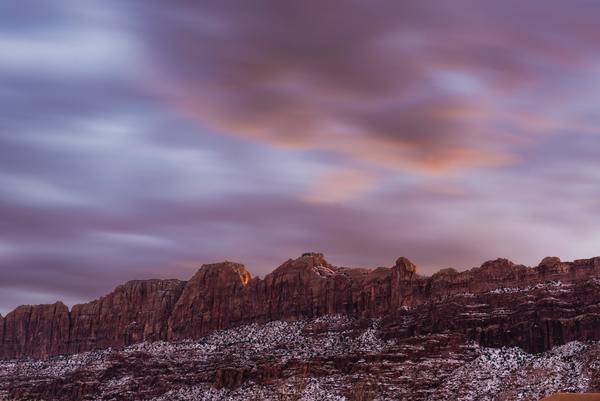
<point>211,300</point>
<point>39,330</point>
<point>224,295</point>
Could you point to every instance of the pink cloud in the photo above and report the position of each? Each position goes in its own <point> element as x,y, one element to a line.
<point>361,79</point>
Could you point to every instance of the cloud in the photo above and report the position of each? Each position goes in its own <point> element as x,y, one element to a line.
<point>422,86</point>
<point>257,131</point>
<point>340,185</point>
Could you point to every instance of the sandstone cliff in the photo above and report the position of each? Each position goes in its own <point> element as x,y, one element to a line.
<point>224,295</point>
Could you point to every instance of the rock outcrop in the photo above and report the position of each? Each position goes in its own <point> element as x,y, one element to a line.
<point>210,301</point>
<point>40,330</point>
<point>224,295</point>
<point>135,311</point>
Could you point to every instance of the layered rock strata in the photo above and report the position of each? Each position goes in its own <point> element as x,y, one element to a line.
<point>224,295</point>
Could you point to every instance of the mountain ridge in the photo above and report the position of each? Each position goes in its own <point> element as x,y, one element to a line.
<point>224,295</point>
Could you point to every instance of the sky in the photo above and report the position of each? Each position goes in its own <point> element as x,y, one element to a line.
<point>143,138</point>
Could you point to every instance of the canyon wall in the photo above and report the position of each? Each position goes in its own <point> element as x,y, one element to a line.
<point>224,295</point>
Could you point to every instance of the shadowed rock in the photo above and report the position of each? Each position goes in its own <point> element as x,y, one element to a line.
<point>224,295</point>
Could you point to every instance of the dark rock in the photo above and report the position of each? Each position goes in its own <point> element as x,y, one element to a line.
<point>224,295</point>
<point>212,299</point>
<point>35,330</point>
<point>136,311</point>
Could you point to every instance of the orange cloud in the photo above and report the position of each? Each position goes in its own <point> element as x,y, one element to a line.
<point>412,86</point>
<point>339,185</point>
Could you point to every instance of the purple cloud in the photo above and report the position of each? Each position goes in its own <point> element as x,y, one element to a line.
<point>376,82</point>
<point>144,139</point>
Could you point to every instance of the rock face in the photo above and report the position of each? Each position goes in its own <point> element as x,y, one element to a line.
<point>133,312</point>
<point>224,295</point>
<point>40,330</point>
<point>209,301</point>
<point>136,311</point>
<point>403,290</point>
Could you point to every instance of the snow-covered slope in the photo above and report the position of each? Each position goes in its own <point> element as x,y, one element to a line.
<point>332,358</point>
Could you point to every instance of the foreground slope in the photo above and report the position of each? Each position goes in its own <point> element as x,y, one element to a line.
<point>573,397</point>
<point>332,358</point>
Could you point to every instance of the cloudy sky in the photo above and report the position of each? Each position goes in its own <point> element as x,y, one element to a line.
<point>143,138</point>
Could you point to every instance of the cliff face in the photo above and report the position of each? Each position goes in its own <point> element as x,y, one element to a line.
<point>40,330</point>
<point>133,312</point>
<point>224,295</point>
<point>211,300</point>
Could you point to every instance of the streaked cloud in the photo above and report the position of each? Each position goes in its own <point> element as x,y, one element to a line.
<point>340,185</point>
<point>418,85</point>
<point>144,138</point>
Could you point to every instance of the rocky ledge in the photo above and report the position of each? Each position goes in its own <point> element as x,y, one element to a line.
<point>494,305</point>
